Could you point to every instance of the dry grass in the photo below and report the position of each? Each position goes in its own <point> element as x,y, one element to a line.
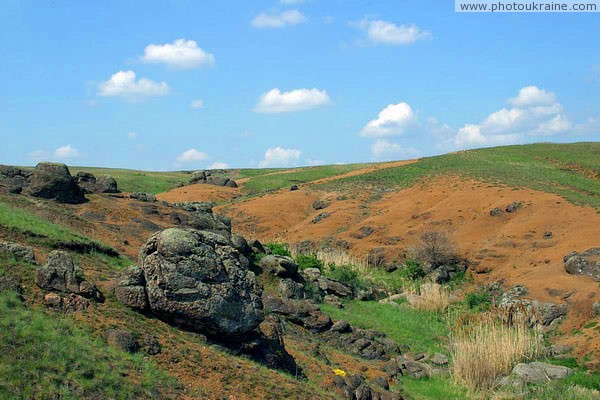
<point>338,257</point>
<point>430,296</point>
<point>487,346</point>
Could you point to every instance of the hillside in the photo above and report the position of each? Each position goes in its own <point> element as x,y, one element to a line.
<point>508,216</point>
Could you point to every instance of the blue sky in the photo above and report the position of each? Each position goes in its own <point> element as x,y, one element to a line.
<point>185,84</point>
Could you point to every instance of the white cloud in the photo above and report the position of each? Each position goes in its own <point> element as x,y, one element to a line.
<point>190,156</point>
<point>471,135</point>
<point>385,150</point>
<point>531,96</point>
<point>384,32</point>
<point>535,112</point>
<point>218,165</point>
<point>181,53</point>
<point>123,84</point>
<point>391,121</point>
<point>280,157</point>
<point>197,104</point>
<point>314,162</point>
<point>132,135</point>
<point>285,18</point>
<point>275,101</point>
<point>62,153</point>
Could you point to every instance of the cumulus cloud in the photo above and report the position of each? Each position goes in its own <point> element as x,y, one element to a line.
<point>124,84</point>
<point>62,153</point>
<point>278,20</point>
<point>218,165</point>
<point>190,156</point>
<point>384,32</point>
<point>197,104</point>
<point>384,150</point>
<point>531,96</point>
<point>181,53</point>
<point>534,112</point>
<point>276,101</point>
<point>392,120</point>
<point>280,157</point>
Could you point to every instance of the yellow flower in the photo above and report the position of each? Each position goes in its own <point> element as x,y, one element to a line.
<point>339,372</point>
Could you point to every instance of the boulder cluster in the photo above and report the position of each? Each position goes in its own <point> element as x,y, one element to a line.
<point>584,263</point>
<point>54,181</point>
<point>206,177</point>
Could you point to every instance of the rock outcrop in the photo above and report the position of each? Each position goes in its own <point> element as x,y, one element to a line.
<point>194,279</point>
<point>206,177</point>
<point>13,179</point>
<point>61,274</point>
<point>281,266</point>
<point>90,184</point>
<point>54,181</point>
<point>18,252</point>
<point>584,263</point>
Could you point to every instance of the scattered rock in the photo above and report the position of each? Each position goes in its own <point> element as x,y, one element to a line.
<point>311,274</point>
<point>382,383</point>
<point>195,279</point>
<point>514,206</point>
<point>439,359</point>
<point>539,372</point>
<point>256,246</point>
<point>54,181</point>
<point>240,244</point>
<point>293,187</point>
<point>122,340</point>
<point>106,184</point>
<point>547,235</point>
<point>333,287</point>
<point>496,211</point>
<point>366,343</point>
<point>18,251</point>
<point>7,282</point>
<point>68,304</point>
<point>141,196</point>
<point>341,326</point>
<point>281,266</point>
<point>363,232</point>
<point>584,263</point>
<point>415,369</point>
<point>300,312</point>
<point>320,204</point>
<point>61,274</point>
<point>151,345</point>
<point>290,289</point>
<point>596,308</point>
<point>86,181</point>
<point>13,179</point>
<point>319,217</point>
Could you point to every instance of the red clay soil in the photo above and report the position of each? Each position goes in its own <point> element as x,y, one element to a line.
<point>510,246</point>
<point>200,192</point>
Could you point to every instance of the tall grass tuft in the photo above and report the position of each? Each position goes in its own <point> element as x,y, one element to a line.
<point>487,346</point>
<point>430,296</point>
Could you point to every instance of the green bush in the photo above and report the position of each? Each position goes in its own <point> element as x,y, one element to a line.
<point>346,274</point>
<point>412,270</point>
<point>309,261</point>
<point>479,300</point>
<point>279,249</point>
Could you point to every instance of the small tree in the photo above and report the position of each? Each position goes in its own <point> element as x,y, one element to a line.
<point>435,249</point>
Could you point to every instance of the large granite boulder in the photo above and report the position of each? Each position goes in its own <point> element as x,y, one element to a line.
<point>54,181</point>
<point>106,184</point>
<point>539,372</point>
<point>281,266</point>
<point>584,263</point>
<point>194,279</point>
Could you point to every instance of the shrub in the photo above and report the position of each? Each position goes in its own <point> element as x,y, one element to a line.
<point>412,270</point>
<point>435,249</point>
<point>308,261</point>
<point>345,274</point>
<point>279,249</point>
<point>485,347</point>
<point>480,300</point>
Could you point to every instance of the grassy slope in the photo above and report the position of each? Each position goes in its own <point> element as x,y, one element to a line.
<point>139,181</point>
<point>265,182</point>
<point>74,364</point>
<point>569,170</point>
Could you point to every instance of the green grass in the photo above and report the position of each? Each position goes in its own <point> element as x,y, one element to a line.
<point>24,221</point>
<point>298,176</point>
<point>139,181</point>
<point>569,170</point>
<point>433,388</point>
<point>46,356</point>
<point>422,331</point>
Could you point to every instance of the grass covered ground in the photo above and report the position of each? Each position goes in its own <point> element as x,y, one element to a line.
<point>569,170</point>
<point>139,181</point>
<point>298,176</point>
<point>46,356</point>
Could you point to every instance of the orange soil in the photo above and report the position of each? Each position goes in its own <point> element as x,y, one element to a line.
<point>200,192</point>
<point>510,246</point>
